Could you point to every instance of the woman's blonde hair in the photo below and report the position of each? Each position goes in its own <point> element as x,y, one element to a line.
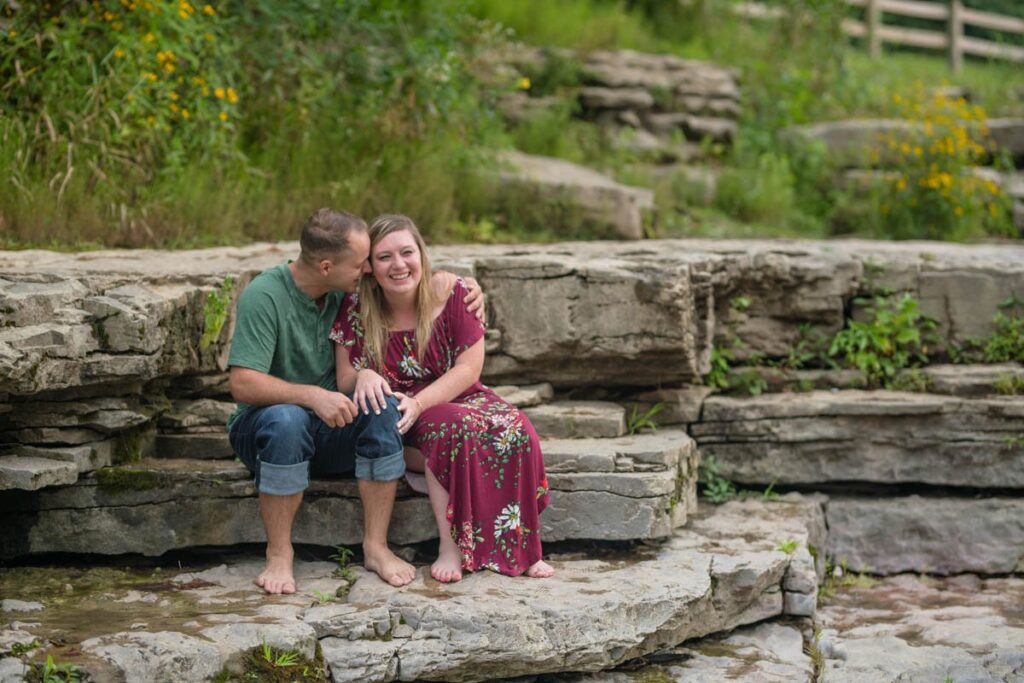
<point>374,308</point>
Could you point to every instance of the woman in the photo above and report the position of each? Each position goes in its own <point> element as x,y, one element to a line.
<point>481,456</point>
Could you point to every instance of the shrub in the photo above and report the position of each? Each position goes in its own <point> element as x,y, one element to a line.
<point>932,194</point>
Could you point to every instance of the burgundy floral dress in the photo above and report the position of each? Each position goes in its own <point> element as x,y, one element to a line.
<point>483,450</point>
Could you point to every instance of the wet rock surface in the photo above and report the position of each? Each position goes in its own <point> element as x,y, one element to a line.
<point>916,629</point>
<point>594,614</point>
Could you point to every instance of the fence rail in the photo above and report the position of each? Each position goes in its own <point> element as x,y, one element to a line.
<point>953,41</point>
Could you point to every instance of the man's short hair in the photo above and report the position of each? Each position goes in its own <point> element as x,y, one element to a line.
<point>325,234</point>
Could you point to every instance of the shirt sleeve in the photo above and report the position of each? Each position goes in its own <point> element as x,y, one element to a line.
<point>465,329</point>
<point>255,339</point>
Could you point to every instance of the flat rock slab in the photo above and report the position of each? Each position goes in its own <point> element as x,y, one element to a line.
<point>525,396</point>
<point>765,653</point>
<point>593,614</point>
<point>31,473</point>
<point>882,437</point>
<point>936,535</point>
<point>644,486</point>
<point>578,419</point>
<point>918,630</point>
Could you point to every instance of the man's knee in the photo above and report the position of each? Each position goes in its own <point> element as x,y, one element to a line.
<point>283,434</point>
<point>379,450</point>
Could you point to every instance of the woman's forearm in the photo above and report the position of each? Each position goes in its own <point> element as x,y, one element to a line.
<point>465,372</point>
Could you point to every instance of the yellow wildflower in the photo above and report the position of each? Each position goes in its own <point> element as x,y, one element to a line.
<point>223,116</point>
<point>208,9</point>
<point>218,93</point>
<point>150,75</point>
<point>232,95</point>
<point>184,114</point>
<point>523,83</point>
<point>958,211</point>
<point>148,38</point>
<point>169,67</point>
<point>119,53</point>
<point>174,96</point>
<point>173,107</point>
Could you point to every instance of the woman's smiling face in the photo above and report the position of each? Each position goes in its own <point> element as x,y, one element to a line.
<point>397,263</point>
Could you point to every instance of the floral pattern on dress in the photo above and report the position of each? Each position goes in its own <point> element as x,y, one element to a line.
<point>483,450</point>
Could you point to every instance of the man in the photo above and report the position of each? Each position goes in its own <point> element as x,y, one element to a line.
<point>291,419</point>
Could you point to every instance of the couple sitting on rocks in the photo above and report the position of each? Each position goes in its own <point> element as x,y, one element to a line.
<point>404,366</point>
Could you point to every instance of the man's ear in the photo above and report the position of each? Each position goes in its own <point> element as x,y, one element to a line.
<point>324,267</point>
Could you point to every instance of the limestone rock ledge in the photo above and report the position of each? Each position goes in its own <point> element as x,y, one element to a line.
<point>879,437</point>
<point>644,486</point>
<point>725,571</point>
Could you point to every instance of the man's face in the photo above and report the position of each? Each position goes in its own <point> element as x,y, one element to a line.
<point>344,273</point>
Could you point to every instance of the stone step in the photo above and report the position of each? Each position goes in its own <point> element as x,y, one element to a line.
<point>578,419</point>
<point>920,628</point>
<point>881,437</point>
<point>644,486</point>
<point>525,396</point>
<point>726,571</point>
<point>934,535</point>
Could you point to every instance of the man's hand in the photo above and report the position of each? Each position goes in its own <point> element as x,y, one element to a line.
<point>335,409</point>
<point>475,299</point>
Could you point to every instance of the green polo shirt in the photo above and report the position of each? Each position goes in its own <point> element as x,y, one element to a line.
<point>281,331</point>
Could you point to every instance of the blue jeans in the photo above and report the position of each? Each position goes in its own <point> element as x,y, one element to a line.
<point>283,444</point>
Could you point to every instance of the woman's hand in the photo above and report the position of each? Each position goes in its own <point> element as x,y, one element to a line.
<point>370,391</point>
<point>410,408</point>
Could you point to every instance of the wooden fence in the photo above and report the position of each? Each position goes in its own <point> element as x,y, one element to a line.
<point>953,41</point>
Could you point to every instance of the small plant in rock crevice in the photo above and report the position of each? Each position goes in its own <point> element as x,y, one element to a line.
<point>788,546</point>
<point>215,312</point>
<point>1006,343</point>
<point>52,672</point>
<point>637,420</point>
<point>895,336</point>
<point>343,556</point>
<point>717,488</point>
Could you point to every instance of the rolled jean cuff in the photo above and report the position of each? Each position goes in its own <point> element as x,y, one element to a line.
<point>388,468</point>
<point>283,480</point>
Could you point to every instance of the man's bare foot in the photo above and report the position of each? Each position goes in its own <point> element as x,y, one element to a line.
<point>277,578</point>
<point>540,570</point>
<point>448,567</point>
<point>388,566</point>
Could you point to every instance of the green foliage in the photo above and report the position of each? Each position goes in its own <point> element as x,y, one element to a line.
<point>740,303</point>
<point>762,193</point>
<point>52,672</point>
<point>343,556</point>
<point>910,380</point>
<point>1006,343</point>
<point>152,123</point>
<point>750,381</point>
<point>278,658</point>
<point>718,375</point>
<point>323,597</point>
<point>215,312</point>
<point>788,546</point>
<point>1009,385</point>
<point>717,488</point>
<point>581,24</point>
<point>636,420</point>
<point>18,649</point>
<point>892,338</point>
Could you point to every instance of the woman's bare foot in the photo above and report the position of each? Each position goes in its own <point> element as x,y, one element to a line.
<point>448,567</point>
<point>277,577</point>
<point>388,566</point>
<point>540,570</point>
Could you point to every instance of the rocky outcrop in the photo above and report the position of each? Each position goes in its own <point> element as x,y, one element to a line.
<point>880,437</point>
<point>725,572</point>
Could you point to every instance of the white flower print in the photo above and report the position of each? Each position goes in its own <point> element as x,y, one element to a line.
<point>508,520</point>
